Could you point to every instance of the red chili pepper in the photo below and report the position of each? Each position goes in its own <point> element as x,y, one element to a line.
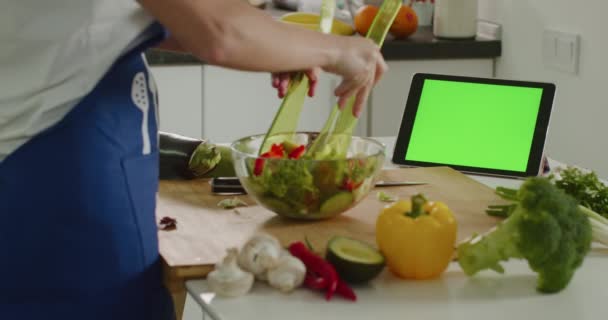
<point>297,152</point>
<point>320,274</point>
<point>316,265</point>
<point>344,290</point>
<point>314,282</point>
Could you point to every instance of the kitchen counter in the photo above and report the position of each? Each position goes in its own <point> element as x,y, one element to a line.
<point>421,45</point>
<point>454,296</point>
<point>488,295</point>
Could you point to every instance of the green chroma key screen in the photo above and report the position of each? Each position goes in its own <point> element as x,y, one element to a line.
<point>474,125</point>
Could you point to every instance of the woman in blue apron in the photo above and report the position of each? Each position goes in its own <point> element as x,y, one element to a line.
<point>77,198</point>
<point>78,204</point>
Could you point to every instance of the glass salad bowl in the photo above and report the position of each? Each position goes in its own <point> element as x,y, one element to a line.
<point>288,182</point>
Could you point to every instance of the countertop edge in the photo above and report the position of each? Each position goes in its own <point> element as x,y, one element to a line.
<point>392,51</point>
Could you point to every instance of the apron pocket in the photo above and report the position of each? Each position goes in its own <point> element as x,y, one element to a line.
<point>141,173</point>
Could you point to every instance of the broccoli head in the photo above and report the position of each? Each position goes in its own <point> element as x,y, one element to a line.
<point>544,228</point>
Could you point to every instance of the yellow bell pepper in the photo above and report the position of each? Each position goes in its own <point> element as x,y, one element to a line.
<point>416,237</point>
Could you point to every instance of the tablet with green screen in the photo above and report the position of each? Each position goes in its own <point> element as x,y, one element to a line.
<point>475,125</point>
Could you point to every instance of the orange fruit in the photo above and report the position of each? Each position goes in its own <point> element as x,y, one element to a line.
<point>405,24</point>
<point>364,17</point>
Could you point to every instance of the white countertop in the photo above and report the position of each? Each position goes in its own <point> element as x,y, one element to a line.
<point>487,295</point>
<point>453,296</point>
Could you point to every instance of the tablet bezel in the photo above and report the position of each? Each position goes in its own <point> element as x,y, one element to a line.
<point>536,154</point>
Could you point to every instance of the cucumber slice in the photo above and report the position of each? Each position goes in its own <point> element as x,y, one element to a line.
<point>337,203</point>
<point>354,260</point>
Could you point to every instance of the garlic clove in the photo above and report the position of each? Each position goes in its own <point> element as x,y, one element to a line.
<point>268,259</point>
<point>288,274</point>
<point>284,281</point>
<point>228,280</point>
<point>233,288</point>
<point>260,253</point>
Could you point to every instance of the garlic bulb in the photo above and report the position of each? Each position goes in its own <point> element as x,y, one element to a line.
<point>288,274</point>
<point>259,254</point>
<point>228,279</point>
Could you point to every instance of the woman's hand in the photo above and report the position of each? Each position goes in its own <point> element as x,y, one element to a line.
<point>361,66</point>
<point>280,81</point>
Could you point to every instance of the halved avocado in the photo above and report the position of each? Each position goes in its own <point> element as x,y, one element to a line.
<point>354,260</point>
<point>336,203</point>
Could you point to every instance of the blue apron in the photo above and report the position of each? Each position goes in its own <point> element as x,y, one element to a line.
<point>77,204</point>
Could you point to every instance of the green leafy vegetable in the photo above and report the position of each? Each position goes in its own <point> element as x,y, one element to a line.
<point>232,203</point>
<point>290,182</point>
<point>385,197</point>
<point>584,187</point>
<point>294,185</point>
<point>544,227</point>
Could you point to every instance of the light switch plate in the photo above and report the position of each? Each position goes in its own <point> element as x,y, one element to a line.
<point>560,50</point>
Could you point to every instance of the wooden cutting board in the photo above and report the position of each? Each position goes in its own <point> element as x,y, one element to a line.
<point>204,231</point>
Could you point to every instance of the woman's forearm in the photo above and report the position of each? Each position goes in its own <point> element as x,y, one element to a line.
<point>171,44</point>
<point>233,34</point>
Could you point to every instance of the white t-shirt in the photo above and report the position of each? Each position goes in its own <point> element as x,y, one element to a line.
<point>52,53</point>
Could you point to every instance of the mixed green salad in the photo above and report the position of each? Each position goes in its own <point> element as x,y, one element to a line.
<point>308,188</point>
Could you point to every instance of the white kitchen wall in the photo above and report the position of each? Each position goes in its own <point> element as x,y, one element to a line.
<point>579,125</point>
<point>180,99</point>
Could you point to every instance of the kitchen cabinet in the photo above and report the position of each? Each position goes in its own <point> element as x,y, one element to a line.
<point>223,105</point>
<point>237,104</point>
<point>387,101</point>
<point>180,99</point>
